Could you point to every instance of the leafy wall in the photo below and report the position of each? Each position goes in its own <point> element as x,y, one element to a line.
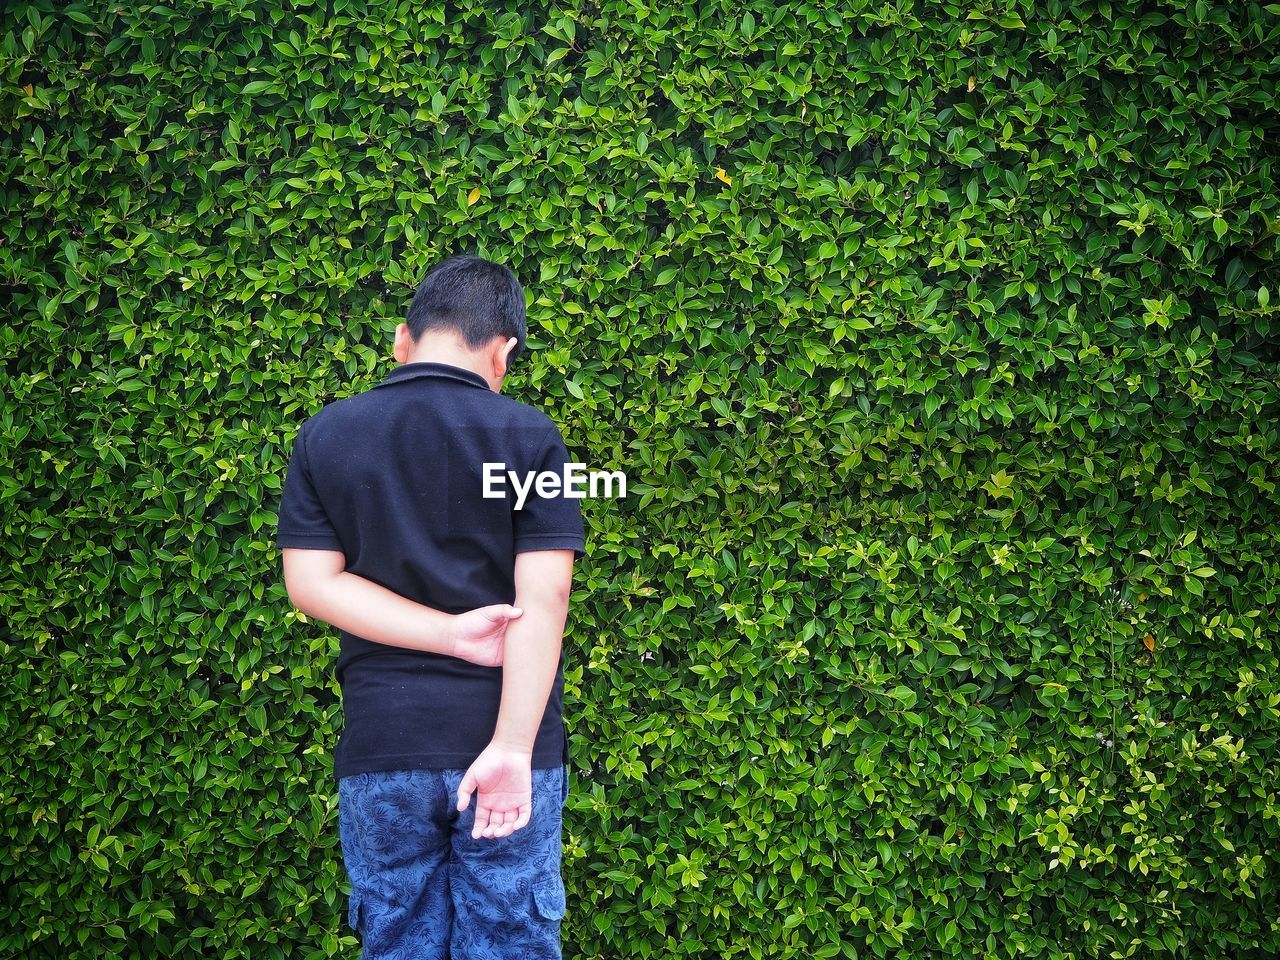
<point>939,343</point>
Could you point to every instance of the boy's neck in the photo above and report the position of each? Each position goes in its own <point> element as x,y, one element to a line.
<point>444,347</point>
<point>446,350</point>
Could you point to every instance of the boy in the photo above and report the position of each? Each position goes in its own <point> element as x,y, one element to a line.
<point>450,606</point>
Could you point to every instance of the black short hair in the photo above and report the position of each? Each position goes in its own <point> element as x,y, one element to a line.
<point>475,297</point>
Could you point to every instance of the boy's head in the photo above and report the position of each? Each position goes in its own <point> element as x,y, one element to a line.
<point>467,311</point>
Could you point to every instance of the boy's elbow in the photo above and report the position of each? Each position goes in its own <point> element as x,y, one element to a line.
<point>544,579</point>
<point>558,593</point>
<point>547,599</point>
<point>300,600</point>
<point>301,591</point>
<point>307,573</point>
<point>293,587</point>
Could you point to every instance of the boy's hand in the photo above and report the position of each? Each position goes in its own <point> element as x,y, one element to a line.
<point>503,783</point>
<point>479,634</point>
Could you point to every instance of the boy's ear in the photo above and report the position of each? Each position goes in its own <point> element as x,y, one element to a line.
<point>504,356</point>
<point>400,349</point>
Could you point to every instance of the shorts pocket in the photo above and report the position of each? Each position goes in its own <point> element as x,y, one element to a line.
<point>353,910</point>
<point>548,894</point>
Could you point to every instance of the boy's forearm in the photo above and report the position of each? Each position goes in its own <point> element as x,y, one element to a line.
<point>369,610</point>
<point>530,659</point>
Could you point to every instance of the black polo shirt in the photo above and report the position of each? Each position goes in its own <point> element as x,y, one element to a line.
<point>394,478</point>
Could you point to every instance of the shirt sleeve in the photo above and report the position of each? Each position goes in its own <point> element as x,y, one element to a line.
<point>552,522</point>
<point>302,520</point>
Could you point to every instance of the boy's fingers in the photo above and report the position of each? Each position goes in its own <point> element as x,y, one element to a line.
<point>501,824</point>
<point>515,819</point>
<point>490,823</point>
<point>501,611</point>
<point>464,791</point>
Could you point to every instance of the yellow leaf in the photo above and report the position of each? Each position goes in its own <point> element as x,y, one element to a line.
<point>473,196</point>
<point>972,83</point>
<point>1149,642</point>
<point>720,175</point>
<point>28,90</point>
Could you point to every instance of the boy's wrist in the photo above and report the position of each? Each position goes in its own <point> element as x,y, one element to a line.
<point>512,744</point>
<point>452,635</point>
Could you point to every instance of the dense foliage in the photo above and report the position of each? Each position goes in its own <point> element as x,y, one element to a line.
<point>938,342</point>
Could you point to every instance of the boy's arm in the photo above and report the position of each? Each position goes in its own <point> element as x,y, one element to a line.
<point>319,586</point>
<point>543,583</point>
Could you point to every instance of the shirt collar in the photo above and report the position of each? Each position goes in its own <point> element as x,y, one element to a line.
<point>430,368</point>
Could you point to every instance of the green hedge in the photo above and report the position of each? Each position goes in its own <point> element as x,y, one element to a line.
<point>939,343</point>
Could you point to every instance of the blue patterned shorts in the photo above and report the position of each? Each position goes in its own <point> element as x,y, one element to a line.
<point>423,889</point>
